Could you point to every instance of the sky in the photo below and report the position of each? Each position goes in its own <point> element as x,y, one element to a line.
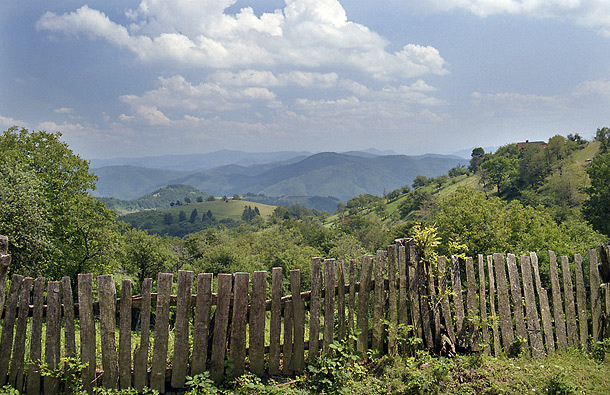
<point>144,78</point>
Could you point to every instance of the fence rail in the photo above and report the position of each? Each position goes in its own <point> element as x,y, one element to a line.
<point>497,305</point>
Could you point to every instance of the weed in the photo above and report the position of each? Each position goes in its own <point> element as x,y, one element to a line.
<point>599,349</point>
<point>68,373</point>
<point>559,386</point>
<point>333,369</point>
<point>201,384</point>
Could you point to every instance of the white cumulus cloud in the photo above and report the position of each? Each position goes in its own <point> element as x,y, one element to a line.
<point>312,34</point>
<point>594,14</point>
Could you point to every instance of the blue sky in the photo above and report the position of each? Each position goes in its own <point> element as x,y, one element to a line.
<point>152,77</point>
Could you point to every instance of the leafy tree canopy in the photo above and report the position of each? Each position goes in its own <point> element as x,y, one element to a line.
<point>50,187</point>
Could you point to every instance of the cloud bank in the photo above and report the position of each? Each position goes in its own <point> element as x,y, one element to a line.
<point>200,34</point>
<point>593,14</point>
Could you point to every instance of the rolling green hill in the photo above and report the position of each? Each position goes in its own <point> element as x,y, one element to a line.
<point>158,199</point>
<point>208,214</point>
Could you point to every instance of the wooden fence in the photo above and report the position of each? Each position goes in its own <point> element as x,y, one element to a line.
<point>455,306</point>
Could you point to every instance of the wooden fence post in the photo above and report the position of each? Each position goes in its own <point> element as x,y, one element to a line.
<point>560,322</point>
<point>87,328</point>
<point>340,300</point>
<point>363,305</point>
<point>545,310</point>
<point>181,328</point>
<point>69,330</point>
<point>52,350</point>
<point>201,323</point>
<point>444,295</point>
<point>596,305</point>
<point>425,301</point>
<point>125,335</point>
<point>140,369</point>
<point>298,316</point>
<point>483,305</point>
<point>107,292</point>
<point>17,359</point>
<point>403,289</point>
<point>392,299</point>
<point>414,291</point>
<point>506,321</point>
<point>315,308</point>
<point>568,291</point>
<point>237,350</point>
<point>288,344</point>
<point>458,301</point>
<point>351,300</point>
<point>219,342</point>
<point>159,362</point>
<point>257,323</point>
<point>533,322</point>
<point>329,303</point>
<point>492,305</point>
<point>8,327</point>
<point>33,376</point>
<point>581,301</point>
<point>517,297</point>
<point>379,302</point>
<point>472,306</point>
<point>275,328</point>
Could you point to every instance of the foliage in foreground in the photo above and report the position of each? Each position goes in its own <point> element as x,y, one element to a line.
<point>417,372</point>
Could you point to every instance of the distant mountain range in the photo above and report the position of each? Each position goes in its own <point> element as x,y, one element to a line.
<point>276,174</point>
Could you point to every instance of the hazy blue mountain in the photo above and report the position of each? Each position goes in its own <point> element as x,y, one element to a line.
<point>200,162</point>
<point>131,182</point>
<point>325,174</point>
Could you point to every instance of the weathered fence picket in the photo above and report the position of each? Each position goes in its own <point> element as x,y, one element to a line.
<point>125,335</point>
<point>33,374</point>
<point>315,308</point>
<point>483,305</point>
<point>492,305</point>
<point>329,303</point>
<point>52,350</point>
<point>560,323</point>
<point>568,292</point>
<point>581,301</point>
<point>257,324</point>
<point>545,310</point>
<point>221,323</point>
<point>181,328</point>
<point>161,334</point>
<point>276,321</point>
<point>140,372</point>
<point>596,306</point>
<point>504,311</point>
<point>472,306</point>
<point>395,288</point>
<point>531,311</point>
<point>515,292</point>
